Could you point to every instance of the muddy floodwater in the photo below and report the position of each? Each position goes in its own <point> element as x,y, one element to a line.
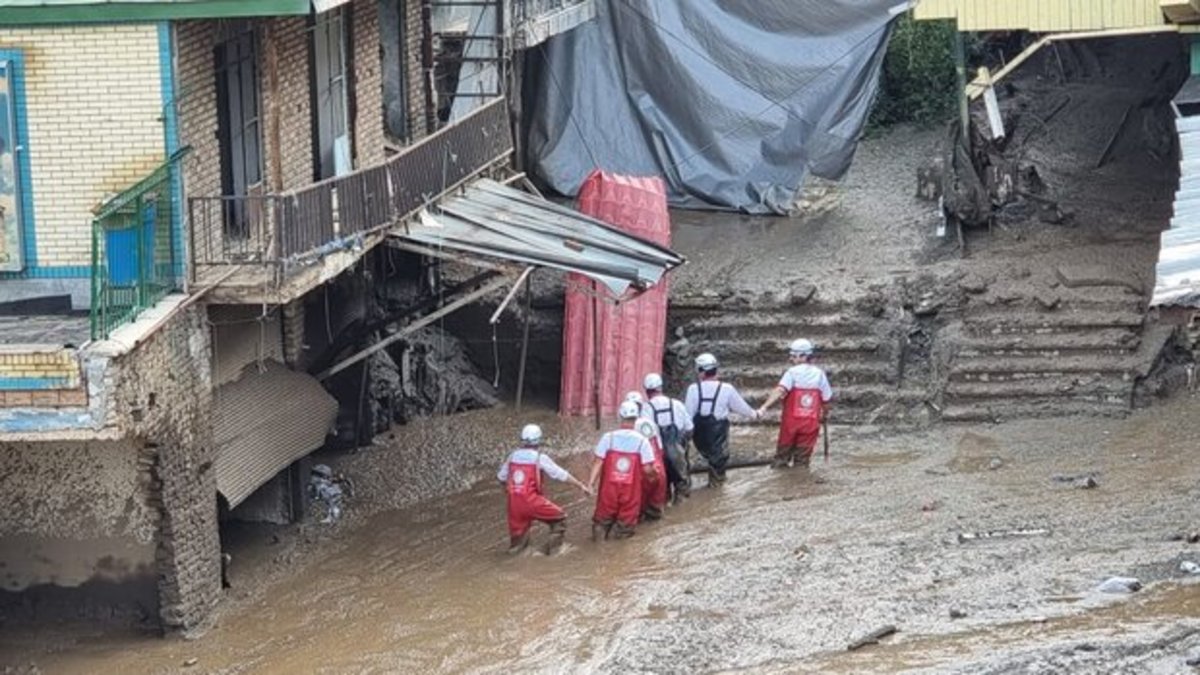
<point>977,544</point>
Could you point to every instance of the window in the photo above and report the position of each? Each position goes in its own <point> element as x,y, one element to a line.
<point>239,126</point>
<point>329,72</point>
<point>11,252</point>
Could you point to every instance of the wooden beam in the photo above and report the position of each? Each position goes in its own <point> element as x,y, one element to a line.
<point>494,285</point>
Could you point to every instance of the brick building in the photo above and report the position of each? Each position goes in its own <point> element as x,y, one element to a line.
<point>184,179</point>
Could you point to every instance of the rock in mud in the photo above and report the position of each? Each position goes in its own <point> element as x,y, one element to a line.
<point>1118,585</point>
<point>1047,299</point>
<point>995,464</point>
<point>974,283</point>
<point>956,613</point>
<point>1189,567</point>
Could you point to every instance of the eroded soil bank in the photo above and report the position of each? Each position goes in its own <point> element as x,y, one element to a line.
<point>778,571</point>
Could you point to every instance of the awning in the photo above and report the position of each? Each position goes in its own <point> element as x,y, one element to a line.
<point>492,220</point>
<point>13,12</point>
<point>264,421</point>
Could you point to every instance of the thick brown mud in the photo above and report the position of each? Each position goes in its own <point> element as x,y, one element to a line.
<point>776,572</point>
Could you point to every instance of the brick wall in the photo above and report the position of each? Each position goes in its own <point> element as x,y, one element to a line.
<point>415,76</point>
<point>368,84</point>
<point>32,377</point>
<point>94,124</point>
<point>140,511</point>
<point>163,396</point>
<point>292,103</point>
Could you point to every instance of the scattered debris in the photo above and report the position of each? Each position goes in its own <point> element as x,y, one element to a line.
<point>1189,567</point>
<point>1193,661</point>
<point>872,638</point>
<point>1075,478</point>
<point>1087,647</point>
<point>931,505</point>
<point>956,613</point>
<point>191,662</point>
<point>801,552</point>
<point>964,537</point>
<point>1120,585</point>
<point>1088,483</point>
<point>995,463</point>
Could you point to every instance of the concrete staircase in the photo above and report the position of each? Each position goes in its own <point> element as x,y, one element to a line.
<point>856,350</point>
<point>1075,354</point>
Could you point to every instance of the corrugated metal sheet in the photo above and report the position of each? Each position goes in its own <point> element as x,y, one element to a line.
<point>1043,16</point>
<point>264,421</point>
<point>493,220</point>
<point>1177,276</point>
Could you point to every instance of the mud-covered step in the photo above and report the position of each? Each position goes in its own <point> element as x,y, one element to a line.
<point>840,372</point>
<point>1036,366</point>
<point>1113,341</point>
<point>999,321</point>
<point>757,327</point>
<point>776,351</point>
<point>1030,408</point>
<point>1109,389</point>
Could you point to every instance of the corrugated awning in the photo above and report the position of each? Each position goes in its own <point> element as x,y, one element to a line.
<point>26,12</point>
<point>492,220</point>
<point>264,421</point>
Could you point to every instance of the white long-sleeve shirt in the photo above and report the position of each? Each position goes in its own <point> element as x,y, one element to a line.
<point>728,400</point>
<point>531,456</point>
<point>664,408</point>
<point>807,376</point>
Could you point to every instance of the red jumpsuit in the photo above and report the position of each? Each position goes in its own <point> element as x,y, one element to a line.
<point>620,498</point>
<point>800,424</point>
<point>526,503</point>
<point>654,495</point>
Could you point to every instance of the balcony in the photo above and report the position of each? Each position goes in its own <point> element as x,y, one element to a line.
<point>275,247</point>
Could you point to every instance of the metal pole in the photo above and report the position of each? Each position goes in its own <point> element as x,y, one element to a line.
<point>960,69</point>
<point>596,351</point>
<point>525,340</point>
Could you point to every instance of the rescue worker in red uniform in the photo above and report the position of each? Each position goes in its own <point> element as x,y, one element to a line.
<point>674,430</point>
<point>521,474</point>
<point>623,461</point>
<point>806,396</point>
<point>654,493</point>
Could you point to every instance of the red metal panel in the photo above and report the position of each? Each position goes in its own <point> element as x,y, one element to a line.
<point>631,333</point>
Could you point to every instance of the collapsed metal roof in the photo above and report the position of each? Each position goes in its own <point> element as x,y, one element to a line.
<point>496,221</point>
<point>264,421</point>
<point>1177,275</point>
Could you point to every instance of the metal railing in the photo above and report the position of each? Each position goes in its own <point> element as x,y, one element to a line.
<point>279,230</point>
<point>135,261</point>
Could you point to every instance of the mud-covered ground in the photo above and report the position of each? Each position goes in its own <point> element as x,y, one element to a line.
<point>778,571</point>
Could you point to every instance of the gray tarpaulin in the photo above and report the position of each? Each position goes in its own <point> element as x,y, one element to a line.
<point>732,101</point>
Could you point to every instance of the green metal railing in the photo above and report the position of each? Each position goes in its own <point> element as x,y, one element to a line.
<point>135,256</point>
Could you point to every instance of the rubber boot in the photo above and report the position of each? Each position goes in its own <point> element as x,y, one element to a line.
<point>518,544</point>
<point>600,531</point>
<point>558,532</point>
<point>652,513</point>
<point>622,531</point>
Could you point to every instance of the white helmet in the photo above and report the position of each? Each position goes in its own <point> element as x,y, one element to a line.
<point>635,397</point>
<point>531,434</point>
<point>801,347</point>
<point>653,382</point>
<point>706,362</point>
<point>628,410</point>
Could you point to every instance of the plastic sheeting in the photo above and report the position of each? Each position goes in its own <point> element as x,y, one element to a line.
<point>732,101</point>
<point>608,347</point>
